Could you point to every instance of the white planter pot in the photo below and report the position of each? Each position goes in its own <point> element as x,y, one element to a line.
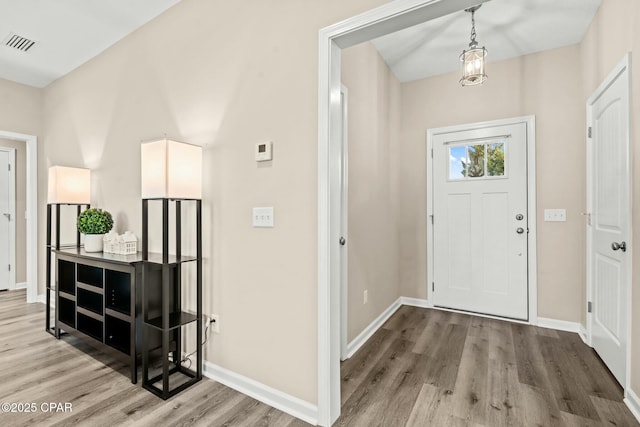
<point>93,242</point>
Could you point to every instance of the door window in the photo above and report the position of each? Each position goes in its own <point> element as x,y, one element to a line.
<point>478,160</point>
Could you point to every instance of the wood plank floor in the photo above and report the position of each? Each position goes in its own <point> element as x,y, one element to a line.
<point>434,368</point>
<point>35,367</point>
<point>422,368</point>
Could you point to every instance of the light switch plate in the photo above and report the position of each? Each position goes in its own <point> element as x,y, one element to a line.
<point>555,215</point>
<point>263,217</point>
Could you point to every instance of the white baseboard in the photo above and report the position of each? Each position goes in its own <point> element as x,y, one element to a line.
<point>633,403</point>
<point>43,300</point>
<point>270,396</point>
<point>415,302</point>
<point>21,285</point>
<point>368,332</point>
<point>560,325</point>
<point>582,333</point>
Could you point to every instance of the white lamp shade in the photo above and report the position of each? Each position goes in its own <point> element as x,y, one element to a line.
<point>171,170</point>
<point>69,185</point>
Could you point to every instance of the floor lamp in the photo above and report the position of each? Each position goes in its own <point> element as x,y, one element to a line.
<point>66,186</point>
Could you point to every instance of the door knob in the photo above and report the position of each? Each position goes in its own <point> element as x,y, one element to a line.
<point>519,230</point>
<point>342,241</point>
<point>8,216</point>
<point>621,246</point>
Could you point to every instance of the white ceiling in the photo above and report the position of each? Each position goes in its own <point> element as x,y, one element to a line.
<point>507,28</point>
<point>68,33</point>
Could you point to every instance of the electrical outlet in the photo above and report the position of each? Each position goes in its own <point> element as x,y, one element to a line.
<point>214,323</point>
<point>366,296</point>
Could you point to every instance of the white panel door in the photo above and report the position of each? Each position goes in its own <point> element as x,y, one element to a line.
<point>480,227</point>
<point>610,260</point>
<point>5,220</point>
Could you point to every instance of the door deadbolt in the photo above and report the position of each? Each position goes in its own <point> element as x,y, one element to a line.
<point>519,217</point>
<point>342,241</point>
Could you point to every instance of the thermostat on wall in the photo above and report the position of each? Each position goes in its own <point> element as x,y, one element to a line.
<point>263,151</point>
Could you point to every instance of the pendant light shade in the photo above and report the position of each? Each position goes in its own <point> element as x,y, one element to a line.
<point>474,58</point>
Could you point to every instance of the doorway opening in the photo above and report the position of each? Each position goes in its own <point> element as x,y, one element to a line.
<point>7,218</point>
<point>378,22</point>
<point>31,213</point>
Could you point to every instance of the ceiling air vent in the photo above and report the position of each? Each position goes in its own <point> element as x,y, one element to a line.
<point>18,42</point>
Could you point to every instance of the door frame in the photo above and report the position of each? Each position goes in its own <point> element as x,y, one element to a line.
<point>32,210</point>
<point>344,217</point>
<point>623,66</point>
<point>386,19</point>
<point>12,218</point>
<point>532,277</point>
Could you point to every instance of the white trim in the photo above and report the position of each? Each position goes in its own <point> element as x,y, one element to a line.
<point>582,332</point>
<point>269,396</point>
<point>560,325</point>
<point>12,216</point>
<point>42,299</point>
<point>530,122</point>
<point>344,214</point>
<point>21,285</point>
<point>373,327</point>
<point>533,219</point>
<point>632,401</point>
<point>383,20</point>
<point>588,207</point>
<point>622,66</point>
<point>415,302</point>
<point>32,210</point>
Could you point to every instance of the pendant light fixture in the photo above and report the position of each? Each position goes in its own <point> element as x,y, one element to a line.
<point>473,59</point>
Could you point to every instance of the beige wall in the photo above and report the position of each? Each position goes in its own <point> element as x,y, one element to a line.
<point>20,112</point>
<point>373,141</point>
<point>614,32</point>
<point>226,75</point>
<point>546,85</point>
<point>21,206</point>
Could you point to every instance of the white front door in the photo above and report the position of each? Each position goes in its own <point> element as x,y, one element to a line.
<point>6,228</point>
<point>610,219</point>
<point>480,224</point>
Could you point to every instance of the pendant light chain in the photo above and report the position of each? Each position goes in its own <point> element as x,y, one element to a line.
<point>473,29</point>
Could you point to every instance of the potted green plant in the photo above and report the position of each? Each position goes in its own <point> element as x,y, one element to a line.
<point>94,224</point>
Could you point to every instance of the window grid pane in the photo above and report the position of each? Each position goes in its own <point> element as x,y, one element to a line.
<point>474,161</point>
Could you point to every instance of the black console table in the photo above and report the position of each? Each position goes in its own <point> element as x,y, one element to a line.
<point>98,300</point>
